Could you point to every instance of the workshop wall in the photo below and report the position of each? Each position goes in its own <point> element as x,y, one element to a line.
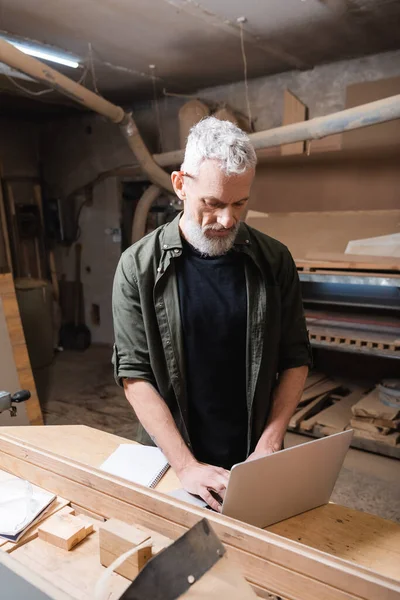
<point>19,148</point>
<point>78,150</point>
<point>100,255</point>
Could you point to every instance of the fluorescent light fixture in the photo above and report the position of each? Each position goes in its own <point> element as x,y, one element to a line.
<point>44,52</point>
<point>46,55</point>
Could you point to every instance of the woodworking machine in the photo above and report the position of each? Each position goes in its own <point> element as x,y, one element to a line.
<point>7,401</point>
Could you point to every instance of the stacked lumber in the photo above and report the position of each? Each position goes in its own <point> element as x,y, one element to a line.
<point>327,407</point>
<point>319,393</point>
<point>374,420</point>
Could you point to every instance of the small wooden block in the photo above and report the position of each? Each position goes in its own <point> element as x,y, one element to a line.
<point>64,530</point>
<point>116,538</point>
<point>159,541</point>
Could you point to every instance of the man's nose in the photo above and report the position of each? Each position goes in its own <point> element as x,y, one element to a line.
<point>225,218</point>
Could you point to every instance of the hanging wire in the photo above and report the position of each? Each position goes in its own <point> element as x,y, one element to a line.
<point>91,65</point>
<point>156,107</point>
<point>246,85</point>
<point>177,95</point>
<point>26,90</point>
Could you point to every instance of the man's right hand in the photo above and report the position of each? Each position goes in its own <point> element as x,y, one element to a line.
<point>198,478</point>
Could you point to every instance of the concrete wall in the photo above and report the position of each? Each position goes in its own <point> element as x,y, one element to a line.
<point>100,255</point>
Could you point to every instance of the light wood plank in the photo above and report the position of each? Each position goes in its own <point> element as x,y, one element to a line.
<point>348,534</point>
<point>357,261</point>
<point>20,352</point>
<point>304,412</point>
<point>336,417</point>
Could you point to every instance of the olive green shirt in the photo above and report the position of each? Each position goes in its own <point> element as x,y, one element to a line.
<point>148,329</point>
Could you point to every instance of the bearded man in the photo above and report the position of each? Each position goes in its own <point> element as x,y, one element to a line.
<point>211,343</point>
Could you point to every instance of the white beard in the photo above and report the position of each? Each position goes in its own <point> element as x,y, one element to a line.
<point>215,246</point>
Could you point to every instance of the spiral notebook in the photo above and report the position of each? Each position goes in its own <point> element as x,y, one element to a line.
<point>145,465</point>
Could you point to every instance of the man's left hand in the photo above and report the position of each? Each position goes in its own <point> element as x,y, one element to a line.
<point>264,450</point>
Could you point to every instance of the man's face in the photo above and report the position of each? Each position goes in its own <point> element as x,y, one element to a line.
<point>213,205</point>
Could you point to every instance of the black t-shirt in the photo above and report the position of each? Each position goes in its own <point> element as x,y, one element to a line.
<point>213,306</point>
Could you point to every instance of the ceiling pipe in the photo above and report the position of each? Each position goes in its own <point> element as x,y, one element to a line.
<point>149,196</point>
<point>365,115</point>
<point>52,78</point>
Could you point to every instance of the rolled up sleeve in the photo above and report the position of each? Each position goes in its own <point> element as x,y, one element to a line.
<point>295,348</point>
<point>130,352</point>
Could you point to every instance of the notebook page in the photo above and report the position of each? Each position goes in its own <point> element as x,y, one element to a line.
<point>137,463</point>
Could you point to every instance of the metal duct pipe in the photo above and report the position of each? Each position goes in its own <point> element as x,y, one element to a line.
<point>365,115</point>
<point>142,210</point>
<point>50,77</point>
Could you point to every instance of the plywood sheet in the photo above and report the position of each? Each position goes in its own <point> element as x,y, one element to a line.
<point>330,181</point>
<point>306,232</point>
<point>19,351</point>
<point>376,135</point>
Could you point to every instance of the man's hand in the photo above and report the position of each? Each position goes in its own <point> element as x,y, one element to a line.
<point>198,478</point>
<point>264,448</point>
<point>260,453</point>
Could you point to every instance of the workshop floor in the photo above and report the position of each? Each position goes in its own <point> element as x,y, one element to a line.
<point>79,388</point>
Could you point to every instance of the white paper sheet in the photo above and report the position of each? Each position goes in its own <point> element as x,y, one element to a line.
<point>20,504</point>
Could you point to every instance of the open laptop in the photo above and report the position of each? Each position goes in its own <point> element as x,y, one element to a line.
<point>278,486</point>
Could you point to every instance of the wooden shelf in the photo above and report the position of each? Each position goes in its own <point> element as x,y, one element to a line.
<point>370,153</point>
<point>352,340</point>
<point>361,267</point>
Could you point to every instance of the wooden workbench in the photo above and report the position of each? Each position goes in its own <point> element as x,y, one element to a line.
<point>308,548</point>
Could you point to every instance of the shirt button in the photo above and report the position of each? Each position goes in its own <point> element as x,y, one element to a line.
<point>165,247</point>
<point>159,269</point>
<point>247,241</point>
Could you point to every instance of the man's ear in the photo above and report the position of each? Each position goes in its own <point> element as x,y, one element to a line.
<point>178,184</point>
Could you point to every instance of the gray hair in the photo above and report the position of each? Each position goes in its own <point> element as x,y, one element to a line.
<point>212,139</point>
